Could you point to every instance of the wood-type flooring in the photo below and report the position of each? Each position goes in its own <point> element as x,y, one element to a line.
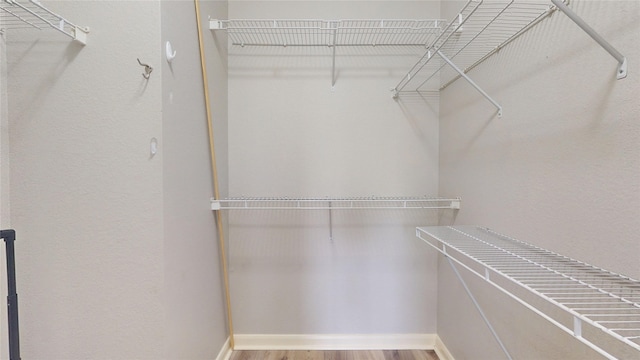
<point>334,355</point>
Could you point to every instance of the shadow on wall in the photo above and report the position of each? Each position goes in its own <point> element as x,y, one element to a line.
<point>295,272</point>
<point>413,106</point>
<point>41,55</point>
<point>312,62</point>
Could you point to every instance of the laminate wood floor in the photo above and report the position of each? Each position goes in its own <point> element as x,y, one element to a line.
<point>334,355</point>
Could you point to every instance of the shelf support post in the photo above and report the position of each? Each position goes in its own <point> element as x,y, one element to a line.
<point>457,69</point>
<point>330,223</point>
<point>475,303</point>
<point>333,69</point>
<point>333,63</point>
<point>622,61</point>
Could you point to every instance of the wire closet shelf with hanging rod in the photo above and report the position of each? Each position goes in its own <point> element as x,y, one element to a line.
<point>599,308</point>
<point>329,33</point>
<point>452,48</point>
<point>479,30</point>
<point>335,203</point>
<point>31,14</point>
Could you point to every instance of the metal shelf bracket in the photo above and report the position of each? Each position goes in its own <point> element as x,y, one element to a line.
<point>16,14</point>
<point>622,60</point>
<point>463,75</point>
<point>80,34</point>
<point>479,308</point>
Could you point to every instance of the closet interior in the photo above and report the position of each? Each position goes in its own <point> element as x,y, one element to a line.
<point>340,264</point>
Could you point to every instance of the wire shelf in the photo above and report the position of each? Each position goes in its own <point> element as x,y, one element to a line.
<point>31,14</point>
<point>608,302</point>
<point>333,203</point>
<point>479,30</point>
<point>308,32</point>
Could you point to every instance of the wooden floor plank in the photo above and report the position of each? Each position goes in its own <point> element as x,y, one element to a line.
<point>366,355</point>
<point>276,355</point>
<point>334,355</point>
<point>306,355</point>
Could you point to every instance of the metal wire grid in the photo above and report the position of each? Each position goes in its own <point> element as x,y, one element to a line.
<point>331,32</point>
<point>388,32</point>
<point>479,30</point>
<point>344,203</point>
<point>608,301</point>
<point>18,14</point>
<point>278,32</point>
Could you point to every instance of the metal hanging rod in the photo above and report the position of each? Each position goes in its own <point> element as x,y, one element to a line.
<point>17,14</point>
<point>595,305</point>
<point>334,203</point>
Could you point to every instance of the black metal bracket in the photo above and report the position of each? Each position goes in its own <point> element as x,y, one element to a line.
<point>9,237</point>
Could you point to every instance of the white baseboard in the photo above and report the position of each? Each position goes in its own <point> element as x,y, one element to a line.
<point>225,352</point>
<point>441,350</point>
<point>335,342</point>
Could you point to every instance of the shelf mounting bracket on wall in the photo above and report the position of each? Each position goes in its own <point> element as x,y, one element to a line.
<point>479,308</point>
<point>463,75</point>
<point>622,61</point>
<point>16,14</point>
<point>333,59</point>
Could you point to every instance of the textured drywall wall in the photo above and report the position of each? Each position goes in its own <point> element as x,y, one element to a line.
<point>560,169</point>
<point>4,186</point>
<point>291,135</point>
<point>86,195</point>
<point>195,318</point>
<point>4,139</point>
<point>118,255</point>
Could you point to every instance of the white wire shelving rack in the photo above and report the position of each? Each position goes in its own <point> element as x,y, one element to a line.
<point>479,30</point>
<point>599,308</point>
<point>330,33</point>
<point>453,48</point>
<point>334,203</point>
<point>21,14</point>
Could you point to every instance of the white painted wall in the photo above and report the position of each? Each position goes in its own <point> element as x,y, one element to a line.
<point>87,200</point>
<point>195,317</point>
<point>103,269</point>
<point>4,139</point>
<point>291,135</point>
<point>4,186</point>
<point>560,169</point>
<point>117,252</point>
